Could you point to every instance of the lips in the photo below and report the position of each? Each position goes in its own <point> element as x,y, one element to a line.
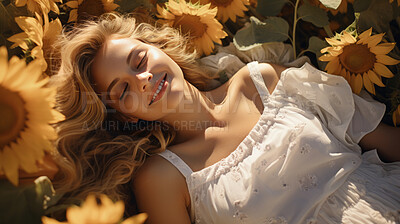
<point>155,93</point>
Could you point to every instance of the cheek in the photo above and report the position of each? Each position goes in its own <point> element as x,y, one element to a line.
<point>133,104</point>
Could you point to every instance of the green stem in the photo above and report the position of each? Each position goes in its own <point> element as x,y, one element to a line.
<point>294,28</point>
<point>302,52</point>
<point>328,31</point>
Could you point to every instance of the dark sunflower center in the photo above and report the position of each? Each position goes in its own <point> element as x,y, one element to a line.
<point>357,58</point>
<point>13,116</point>
<point>90,9</point>
<point>221,3</point>
<point>185,23</point>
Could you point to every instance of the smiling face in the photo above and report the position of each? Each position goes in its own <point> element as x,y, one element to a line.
<point>137,79</point>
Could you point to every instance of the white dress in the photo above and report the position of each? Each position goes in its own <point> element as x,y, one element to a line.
<point>301,162</point>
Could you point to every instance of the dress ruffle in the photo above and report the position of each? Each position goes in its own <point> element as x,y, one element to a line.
<point>371,194</point>
<point>347,118</point>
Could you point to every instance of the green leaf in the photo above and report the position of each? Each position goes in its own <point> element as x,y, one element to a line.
<point>273,29</point>
<point>25,204</point>
<point>333,4</point>
<point>315,45</point>
<point>378,15</point>
<point>361,5</point>
<point>45,192</point>
<point>313,14</point>
<point>270,7</point>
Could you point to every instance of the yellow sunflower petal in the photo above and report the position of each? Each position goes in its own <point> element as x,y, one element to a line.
<point>175,8</point>
<point>72,4</point>
<point>10,165</point>
<point>164,13</point>
<point>365,34</point>
<point>343,73</point>
<point>368,84</point>
<point>374,40</point>
<point>20,3</point>
<point>19,40</point>
<point>348,76</point>
<point>109,5</point>
<point>334,42</point>
<point>3,63</point>
<point>333,67</point>
<point>336,51</point>
<point>137,219</point>
<point>26,156</point>
<point>47,220</point>
<point>326,57</point>
<point>13,80</point>
<point>348,38</point>
<point>32,28</point>
<point>383,48</point>
<point>54,29</point>
<point>54,7</point>
<point>73,15</point>
<point>386,60</point>
<point>356,83</point>
<point>34,141</point>
<point>375,78</point>
<point>382,70</point>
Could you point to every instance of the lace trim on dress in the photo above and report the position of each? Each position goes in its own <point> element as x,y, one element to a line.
<point>177,162</point>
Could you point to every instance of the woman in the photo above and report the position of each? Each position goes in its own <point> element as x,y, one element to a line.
<point>271,145</point>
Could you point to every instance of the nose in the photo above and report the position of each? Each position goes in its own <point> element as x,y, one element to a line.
<point>144,80</point>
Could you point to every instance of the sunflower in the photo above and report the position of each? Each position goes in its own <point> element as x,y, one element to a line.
<point>26,110</point>
<point>84,9</point>
<point>196,21</point>
<point>398,2</point>
<point>39,6</point>
<point>227,9</point>
<point>360,60</point>
<point>104,212</point>
<point>396,116</point>
<point>342,8</point>
<point>43,35</point>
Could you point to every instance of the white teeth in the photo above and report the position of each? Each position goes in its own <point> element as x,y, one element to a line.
<point>158,90</point>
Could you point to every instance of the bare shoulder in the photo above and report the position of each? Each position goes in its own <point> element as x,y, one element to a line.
<point>269,69</point>
<point>161,192</point>
<point>270,73</point>
<point>158,174</point>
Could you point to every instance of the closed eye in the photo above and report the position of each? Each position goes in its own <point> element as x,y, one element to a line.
<point>142,60</point>
<point>123,92</point>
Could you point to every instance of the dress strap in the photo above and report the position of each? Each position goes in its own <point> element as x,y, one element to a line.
<point>177,162</point>
<point>258,80</point>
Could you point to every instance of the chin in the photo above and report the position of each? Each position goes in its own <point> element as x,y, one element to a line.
<point>174,96</point>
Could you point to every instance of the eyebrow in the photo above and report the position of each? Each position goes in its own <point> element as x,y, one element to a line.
<point>111,86</point>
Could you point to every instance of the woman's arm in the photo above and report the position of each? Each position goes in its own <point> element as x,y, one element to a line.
<point>161,192</point>
<point>386,140</point>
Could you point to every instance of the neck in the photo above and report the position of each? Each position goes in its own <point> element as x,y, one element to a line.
<point>196,112</point>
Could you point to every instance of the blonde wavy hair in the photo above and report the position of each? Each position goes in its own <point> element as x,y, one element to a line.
<point>95,157</point>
